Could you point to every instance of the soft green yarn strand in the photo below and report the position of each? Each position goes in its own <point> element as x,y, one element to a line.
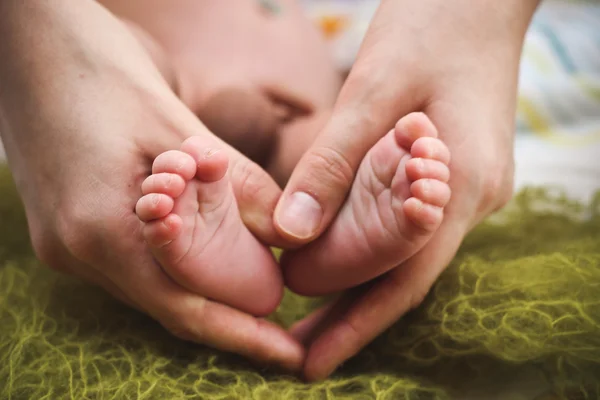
<point>522,294</point>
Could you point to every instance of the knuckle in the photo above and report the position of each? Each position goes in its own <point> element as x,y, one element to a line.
<point>76,229</point>
<point>244,174</point>
<point>498,185</point>
<point>330,165</point>
<point>248,179</point>
<point>490,174</point>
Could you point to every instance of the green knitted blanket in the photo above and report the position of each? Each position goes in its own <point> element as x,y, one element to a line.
<point>517,314</point>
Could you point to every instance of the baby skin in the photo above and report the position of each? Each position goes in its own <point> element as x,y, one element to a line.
<point>195,232</point>
<point>193,227</point>
<point>395,205</point>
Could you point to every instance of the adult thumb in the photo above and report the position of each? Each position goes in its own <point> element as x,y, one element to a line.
<point>320,182</point>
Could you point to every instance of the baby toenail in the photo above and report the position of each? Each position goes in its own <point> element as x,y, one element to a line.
<point>168,182</point>
<point>208,153</point>
<point>155,199</point>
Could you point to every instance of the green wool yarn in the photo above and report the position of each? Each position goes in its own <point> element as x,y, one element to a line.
<point>521,299</point>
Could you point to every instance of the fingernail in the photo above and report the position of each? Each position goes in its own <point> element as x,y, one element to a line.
<point>300,215</point>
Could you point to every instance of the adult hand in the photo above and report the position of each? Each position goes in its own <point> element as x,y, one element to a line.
<point>243,70</point>
<point>457,62</point>
<point>83,113</point>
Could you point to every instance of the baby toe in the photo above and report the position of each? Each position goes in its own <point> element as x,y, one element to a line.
<point>425,216</point>
<point>175,162</point>
<point>161,232</point>
<point>430,148</point>
<point>210,160</point>
<point>213,166</point>
<point>431,191</point>
<point>412,127</point>
<point>423,168</point>
<point>172,185</point>
<point>153,206</point>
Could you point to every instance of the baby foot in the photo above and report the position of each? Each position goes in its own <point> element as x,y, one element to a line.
<point>395,205</point>
<point>193,227</point>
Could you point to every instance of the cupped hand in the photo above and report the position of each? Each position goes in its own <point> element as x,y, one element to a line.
<point>458,63</point>
<point>83,114</point>
<point>244,69</point>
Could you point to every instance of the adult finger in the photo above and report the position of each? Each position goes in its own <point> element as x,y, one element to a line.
<point>256,193</point>
<point>190,316</point>
<point>255,190</point>
<point>59,259</point>
<point>404,288</point>
<point>309,328</point>
<point>194,318</point>
<point>368,107</point>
